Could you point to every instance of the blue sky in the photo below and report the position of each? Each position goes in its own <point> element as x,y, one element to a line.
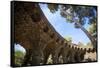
<point>18,47</point>
<point>62,27</point>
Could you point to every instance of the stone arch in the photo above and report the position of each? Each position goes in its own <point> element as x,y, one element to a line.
<point>30,33</point>
<point>27,30</point>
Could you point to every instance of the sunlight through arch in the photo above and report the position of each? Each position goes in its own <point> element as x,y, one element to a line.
<point>18,47</point>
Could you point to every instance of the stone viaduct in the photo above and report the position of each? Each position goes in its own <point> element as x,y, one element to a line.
<point>33,31</point>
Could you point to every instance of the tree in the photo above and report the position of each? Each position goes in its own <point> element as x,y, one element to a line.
<point>79,16</point>
<point>92,30</point>
<point>53,7</point>
<point>69,39</point>
<point>19,57</point>
<point>80,44</point>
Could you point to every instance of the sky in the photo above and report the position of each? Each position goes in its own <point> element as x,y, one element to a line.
<point>62,27</point>
<point>18,47</point>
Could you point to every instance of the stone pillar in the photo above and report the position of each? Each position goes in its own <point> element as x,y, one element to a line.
<point>28,30</point>
<point>27,57</point>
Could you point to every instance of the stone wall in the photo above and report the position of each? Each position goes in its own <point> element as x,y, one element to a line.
<point>34,32</point>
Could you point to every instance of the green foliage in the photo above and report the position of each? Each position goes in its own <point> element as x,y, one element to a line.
<point>78,15</point>
<point>68,38</point>
<point>92,29</point>
<point>89,44</point>
<point>69,19</point>
<point>70,12</point>
<point>53,7</point>
<point>19,56</point>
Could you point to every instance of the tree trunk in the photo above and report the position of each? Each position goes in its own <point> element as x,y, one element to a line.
<point>88,34</point>
<point>93,41</point>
